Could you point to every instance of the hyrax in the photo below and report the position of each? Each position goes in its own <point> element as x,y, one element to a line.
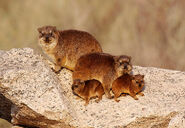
<point>88,89</point>
<point>102,67</point>
<point>65,47</point>
<point>131,84</point>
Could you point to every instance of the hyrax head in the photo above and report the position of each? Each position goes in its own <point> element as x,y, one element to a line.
<point>47,35</point>
<point>138,82</point>
<point>77,86</point>
<point>123,64</point>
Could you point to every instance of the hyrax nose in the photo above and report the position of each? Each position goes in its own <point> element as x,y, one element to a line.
<point>125,66</point>
<point>72,87</point>
<point>47,39</point>
<point>139,85</point>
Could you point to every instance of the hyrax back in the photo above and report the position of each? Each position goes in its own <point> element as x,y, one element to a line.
<point>65,47</point>
<point>102,67</point>
<point>88,89</point>
<point>128,84</point>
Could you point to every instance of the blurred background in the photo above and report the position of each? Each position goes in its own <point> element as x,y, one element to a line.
<point>151,31</point>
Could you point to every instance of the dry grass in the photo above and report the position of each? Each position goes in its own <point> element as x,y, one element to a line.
<point>151,31</point>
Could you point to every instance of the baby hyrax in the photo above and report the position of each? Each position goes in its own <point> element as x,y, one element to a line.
<point>65,47</point>
<point>131,84</point>
<point>102,67</point>
<point>88,89</point>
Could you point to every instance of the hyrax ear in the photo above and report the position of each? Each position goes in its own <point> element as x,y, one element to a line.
<point>39,30</point>
<point>130,58</point>
<point>142,76</point>
<point>116,59</point>
<point>54,29</point>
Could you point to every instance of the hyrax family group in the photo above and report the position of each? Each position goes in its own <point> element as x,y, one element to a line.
<point>94,73</point>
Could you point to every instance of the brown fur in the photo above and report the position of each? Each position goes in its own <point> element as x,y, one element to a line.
<point>128,84</point>
<point>88,89</point>
<point>102,67</point>
<point>65,47</point>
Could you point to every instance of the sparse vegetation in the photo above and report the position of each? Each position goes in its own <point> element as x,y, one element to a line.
<point>151,31</point>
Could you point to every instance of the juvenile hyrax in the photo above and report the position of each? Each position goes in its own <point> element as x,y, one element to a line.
<point>131,84</point>
<point>65,47</point>
<point>88,89</point>
<point>102,67</point>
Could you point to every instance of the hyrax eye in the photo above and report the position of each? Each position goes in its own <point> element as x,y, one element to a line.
<point>51,34</point>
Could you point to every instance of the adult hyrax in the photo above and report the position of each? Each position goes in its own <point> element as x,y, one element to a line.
<point>131,84</point>
<point>88,89</point>
<point>102,67</point>
<point>65,47</point>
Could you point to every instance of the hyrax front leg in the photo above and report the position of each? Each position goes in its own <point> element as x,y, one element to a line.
<point>116,95</point>
<point>132,94</point>
<point>57,68</point>
<point>77,98</point>
<point>141,94</point>
<point>86,101</point>
<point>107,91</point>
<point>99,98</point>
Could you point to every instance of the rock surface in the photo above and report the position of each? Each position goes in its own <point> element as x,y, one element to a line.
<point>47,100</point>
<point>26,80</point>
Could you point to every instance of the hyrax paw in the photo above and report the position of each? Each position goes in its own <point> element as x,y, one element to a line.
<point>110,97</point>
<point>141,94</point>
<point>136,98</point>
<point>97,101</point>
<point>56,71</point>
<point>85,104</point>
<point>117,100</point>
<point>77,98</point>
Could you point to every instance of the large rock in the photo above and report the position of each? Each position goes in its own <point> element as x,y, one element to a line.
<point>43,99</point>
<point>33,89</point>
<point>162,106</point>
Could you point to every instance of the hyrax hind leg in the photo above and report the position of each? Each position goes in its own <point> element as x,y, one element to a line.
<point>133,94</point>
<point>116,94</point>
<point>107,91</point>
<point>99,97</point>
